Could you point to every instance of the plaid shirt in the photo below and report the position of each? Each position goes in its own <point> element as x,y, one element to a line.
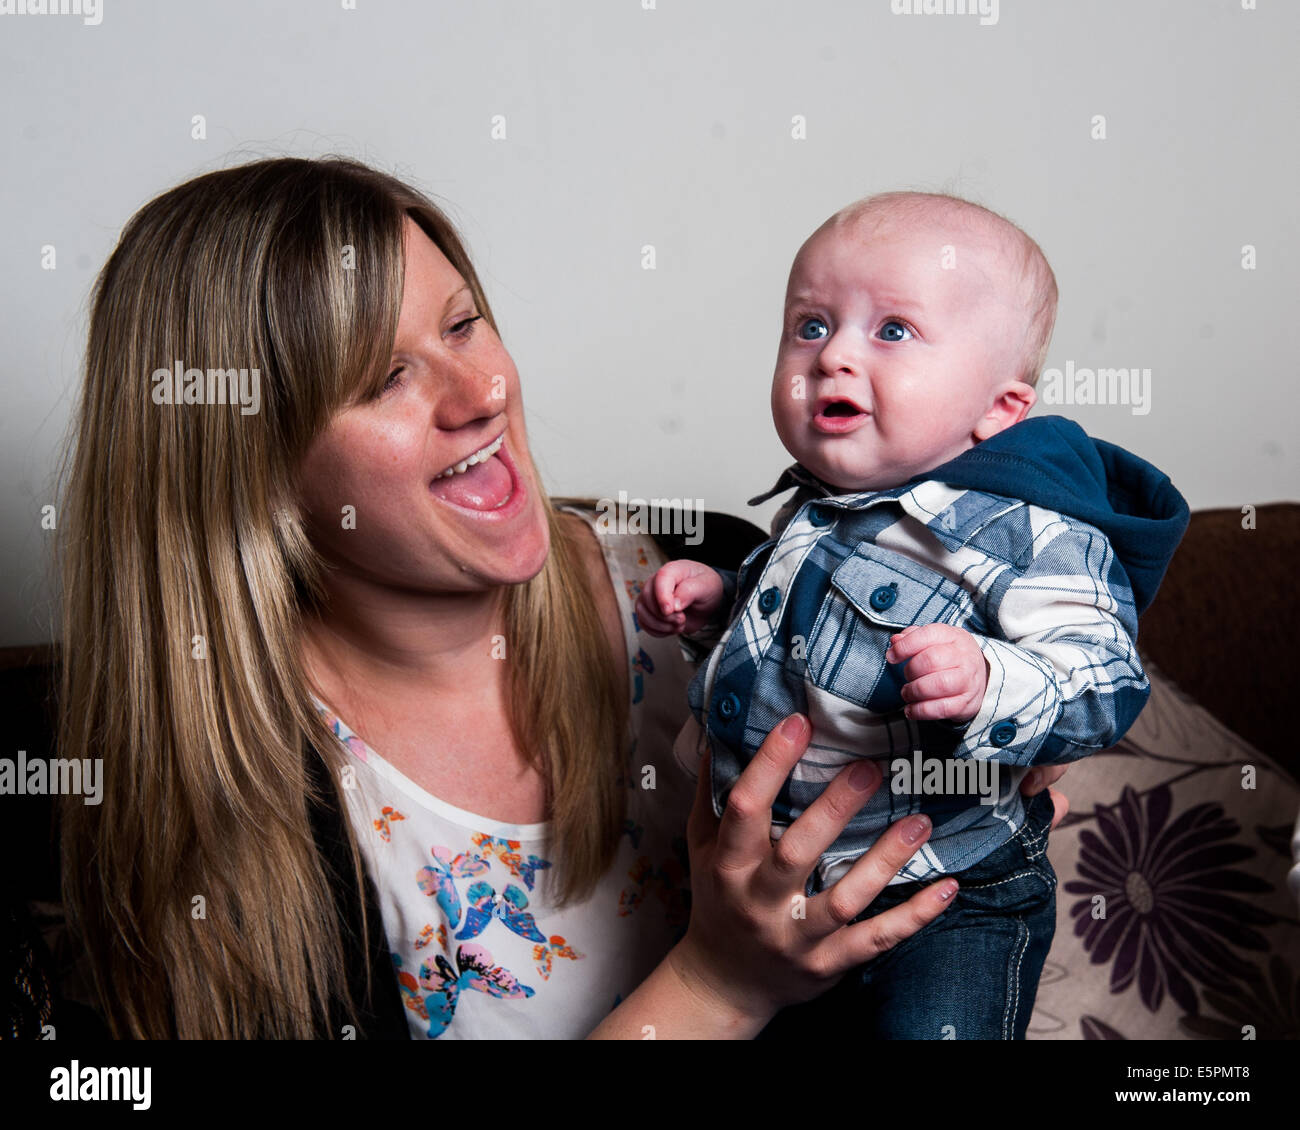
<point>1044,595</point>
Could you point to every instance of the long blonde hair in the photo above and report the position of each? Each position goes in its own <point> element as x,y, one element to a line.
<point>196,885</point>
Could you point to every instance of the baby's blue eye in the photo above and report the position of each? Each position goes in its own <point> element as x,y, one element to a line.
<point>816,326</point>
<point>894,330</point>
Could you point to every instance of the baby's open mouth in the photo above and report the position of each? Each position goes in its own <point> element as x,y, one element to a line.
<point>835,414</point>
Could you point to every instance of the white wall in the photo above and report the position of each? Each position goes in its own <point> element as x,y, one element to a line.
<point>673,127</point>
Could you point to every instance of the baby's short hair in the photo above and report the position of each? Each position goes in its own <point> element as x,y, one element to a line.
<point>1036,280</point>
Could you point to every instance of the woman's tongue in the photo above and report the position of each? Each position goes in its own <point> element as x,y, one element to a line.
<point>485,486</point>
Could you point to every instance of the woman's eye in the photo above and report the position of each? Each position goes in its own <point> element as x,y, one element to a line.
<point>812,329</point>
<point>894,330</point>
<point>394,379</point>
<point>463,327</point>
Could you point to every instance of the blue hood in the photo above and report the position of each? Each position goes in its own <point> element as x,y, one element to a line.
<point>1052,462</point>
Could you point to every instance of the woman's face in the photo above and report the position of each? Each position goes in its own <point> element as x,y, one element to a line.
<point>425,518</point>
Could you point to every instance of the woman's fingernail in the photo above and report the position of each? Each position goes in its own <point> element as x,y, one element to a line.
<point>793,727</point>
<point>863,775</point>
<point>948,889</point>
<point>914,827</point>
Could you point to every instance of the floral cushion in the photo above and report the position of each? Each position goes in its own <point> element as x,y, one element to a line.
<point>1174,918</point>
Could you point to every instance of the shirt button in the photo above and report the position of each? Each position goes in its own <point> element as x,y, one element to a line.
<point>884,597</point>
<point>1004,733</point>
<point>728,707</point>
<point>820,516</point>
<point>768,601</point>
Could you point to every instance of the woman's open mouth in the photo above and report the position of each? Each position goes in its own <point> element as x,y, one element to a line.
<point>485,482</point>
<point>836,415</point>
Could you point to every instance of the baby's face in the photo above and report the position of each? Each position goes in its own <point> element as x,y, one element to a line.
<point>890,364</point>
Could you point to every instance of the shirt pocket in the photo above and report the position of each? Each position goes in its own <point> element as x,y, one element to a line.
<point>874,594</point>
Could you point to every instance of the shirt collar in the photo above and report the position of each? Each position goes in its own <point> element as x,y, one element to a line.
<point>795,475</point>
<point>954,515</point>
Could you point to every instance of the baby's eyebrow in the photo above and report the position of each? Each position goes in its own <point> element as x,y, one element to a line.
<point>897,303</point>
<point>890,301</point>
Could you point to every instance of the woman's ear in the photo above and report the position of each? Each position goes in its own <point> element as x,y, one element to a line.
<point>1011,404</point>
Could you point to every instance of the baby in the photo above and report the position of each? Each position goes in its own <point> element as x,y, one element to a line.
<point>953,590</point>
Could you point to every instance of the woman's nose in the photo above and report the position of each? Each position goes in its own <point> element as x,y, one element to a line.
<point>467,393</point>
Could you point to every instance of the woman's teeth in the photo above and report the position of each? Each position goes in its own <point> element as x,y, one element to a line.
<point>478,457</point>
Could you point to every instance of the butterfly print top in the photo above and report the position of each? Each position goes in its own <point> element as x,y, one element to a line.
<point>478,947</point>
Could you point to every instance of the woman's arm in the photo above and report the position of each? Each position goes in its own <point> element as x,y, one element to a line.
<point>755,943</point>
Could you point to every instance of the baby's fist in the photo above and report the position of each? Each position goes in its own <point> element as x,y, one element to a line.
<point>682,597</point>
<point>947,673</point>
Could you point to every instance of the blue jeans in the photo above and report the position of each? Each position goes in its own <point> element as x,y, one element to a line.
<point>971,974</point>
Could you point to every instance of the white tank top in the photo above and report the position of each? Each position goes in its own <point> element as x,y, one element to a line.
<point>479,950</point>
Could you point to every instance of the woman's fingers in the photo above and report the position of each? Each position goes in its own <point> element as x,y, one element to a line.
<point>865,940</point>
<point>868,876</point>
<point>1039,777</point>
<point>1060,806</point>
<point>702,825</point>
<point>744,835</point>
<point>796,853</point>
<point>1042,777</point>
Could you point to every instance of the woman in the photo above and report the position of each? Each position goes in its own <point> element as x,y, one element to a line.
<point>354,555</point>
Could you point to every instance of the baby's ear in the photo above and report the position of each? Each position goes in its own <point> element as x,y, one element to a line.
<point>1012,401</point>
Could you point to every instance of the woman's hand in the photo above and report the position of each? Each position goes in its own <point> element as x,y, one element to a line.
<point>755,943</point>
<point>1043,777</point>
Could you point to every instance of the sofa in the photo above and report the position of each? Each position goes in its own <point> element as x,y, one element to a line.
<point>1174,915</point>
<point>1181,834</point>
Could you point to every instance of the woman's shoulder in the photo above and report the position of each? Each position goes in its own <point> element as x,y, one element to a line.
<point>617,566</point>
<point>622,562</point>
<point>626,557</point>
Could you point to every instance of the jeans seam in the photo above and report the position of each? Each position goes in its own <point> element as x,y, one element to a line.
<point>999,882</point>
<point>1037,845</point>
<point>1013,997</point>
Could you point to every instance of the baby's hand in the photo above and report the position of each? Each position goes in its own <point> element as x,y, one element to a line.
<point>947,673</point>
<point>682,597</point>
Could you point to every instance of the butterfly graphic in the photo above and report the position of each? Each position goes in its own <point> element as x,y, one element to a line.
<point>434,996</point>
<point>668,882</point>
<point>354,743</point>
<point>410,990</point>
<point>387,813</point>
<point>632,896</point>
<point>508,852</point>
<point>428,934</point>
<point>633,591</point>
<point>642,662</point>
<point>485,904</point>
<point>546,953</point>
<point>436,881</point>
